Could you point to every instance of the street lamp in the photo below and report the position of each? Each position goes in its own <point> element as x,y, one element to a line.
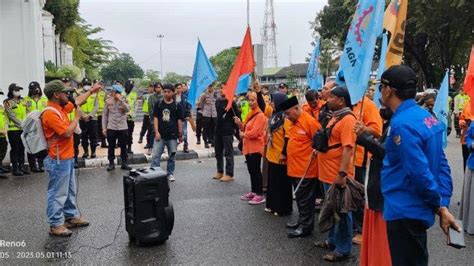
<point>161,36</point>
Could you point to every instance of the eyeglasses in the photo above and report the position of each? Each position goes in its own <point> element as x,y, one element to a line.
<point>381,87</point>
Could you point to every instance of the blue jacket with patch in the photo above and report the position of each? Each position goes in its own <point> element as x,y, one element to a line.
<point>415,178</point>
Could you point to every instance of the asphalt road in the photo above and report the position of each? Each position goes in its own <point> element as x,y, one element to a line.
<point>212,226</point>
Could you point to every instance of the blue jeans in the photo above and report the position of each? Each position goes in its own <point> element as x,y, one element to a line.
<point>62,191</point>
<point>158,148</point>
<point>341,233</point>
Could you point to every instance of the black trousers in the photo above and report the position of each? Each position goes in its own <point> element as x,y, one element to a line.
<point>254,161</point>
<point>408,242</point>
<point>209,126</point>
<point>465,155</point>
<point>89,134</point>
<point>199,118</point>
<point>358,216</point>
<point>131,127</point>
<point>122,137</point>
<point>3,149</point>
<point>36,160</point>
<point>77,142</point>
<point>145,126</point>
<point>305,198</point>
<point>223,147</point>
<point>279,192</point>
<point>456,125</point>
<point>17,152</point>
<point>99,131</point>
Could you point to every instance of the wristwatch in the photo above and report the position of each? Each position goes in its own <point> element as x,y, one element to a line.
<point>342,174</point>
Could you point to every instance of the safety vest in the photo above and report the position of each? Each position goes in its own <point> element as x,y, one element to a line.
<point>32,105</point>
<point>145,104</point>
<point>245,109</point>
<point>88,107</point>
<point>101,97</point>
<point>131,100</point>
<point>19,110</point>
<point>3,120</point>
<point>460,104</point>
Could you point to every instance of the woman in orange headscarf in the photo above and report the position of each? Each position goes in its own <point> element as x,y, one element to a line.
<point>252,132</point>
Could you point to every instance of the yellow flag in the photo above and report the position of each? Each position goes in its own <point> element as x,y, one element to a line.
<point>394,21</point>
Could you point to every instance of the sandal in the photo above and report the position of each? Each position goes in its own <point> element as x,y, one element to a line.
<point>325,245</point>
<point>335,257</point>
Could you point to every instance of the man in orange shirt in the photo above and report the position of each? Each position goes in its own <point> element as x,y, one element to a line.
<point>313,105</point>
<point>62,209</point>
<point>335,165</point>
<point>300,158</point>
<point>368,118</point>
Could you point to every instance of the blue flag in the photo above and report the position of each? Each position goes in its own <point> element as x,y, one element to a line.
<point>203,75</point>
<point>243,84</point>
<point>441,107</point>
<point>359,49</point>
<point>313,74</point>
<point>383,55</point>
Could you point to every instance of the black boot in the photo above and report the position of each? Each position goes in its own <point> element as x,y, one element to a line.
<point>125,166</point>
<point>33,167</point>
<point>41,166</point>
<point>140,140</point>
<point>3,175</point>
<point>25,170</point>
<point>86,153</point>
<point>185,148</point>
<point>93,152</point>
<point>129,150</point>
<point>111,166</point>
<point>76,163</point>
<point>16,171</point>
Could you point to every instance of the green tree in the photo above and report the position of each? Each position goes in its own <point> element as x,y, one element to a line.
<point>327,57</point>
<point>223,62</point>
<point>291,79</point>
<point>65,12</point>
<point>149,77</point>
<point>173,78</point>
<point>122,67</point>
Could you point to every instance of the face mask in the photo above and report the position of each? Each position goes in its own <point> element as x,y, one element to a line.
<point>16,93</point>
<point>86,88</point>
<point>386,113</point>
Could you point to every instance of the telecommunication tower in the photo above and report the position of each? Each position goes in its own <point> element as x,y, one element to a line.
<point>270,56</point>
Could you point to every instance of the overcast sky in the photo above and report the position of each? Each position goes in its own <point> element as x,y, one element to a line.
<point>133,25</point>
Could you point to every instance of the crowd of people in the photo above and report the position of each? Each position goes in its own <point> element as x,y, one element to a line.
<point>293,151</point>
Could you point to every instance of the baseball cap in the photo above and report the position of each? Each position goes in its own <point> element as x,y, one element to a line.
<point>86,81</point>
<point>399,77</point>
<point>282,85</point>
<point>55,86</point>
<point>34,85</point>
<point>14,87</point>
<point>65,79</point>
<point>342,91</point>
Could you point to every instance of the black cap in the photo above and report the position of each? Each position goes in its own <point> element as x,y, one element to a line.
<point>290,102</point>
<point>342,91</point>
<point>34,85</point>
<point>14,87</point>
<point>282,85</point>
<point>86,81</point>
<point>399,77</point>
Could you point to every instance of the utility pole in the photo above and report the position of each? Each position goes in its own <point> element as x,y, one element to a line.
<point>161,36</point>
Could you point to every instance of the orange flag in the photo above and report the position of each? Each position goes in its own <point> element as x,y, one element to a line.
<point>469,80</point>
<point>394,22</point>
<point>244,64</point>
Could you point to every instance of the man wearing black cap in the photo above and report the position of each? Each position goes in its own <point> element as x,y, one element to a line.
<point>335,165</point>
<point>300,161</point>
<point>415,178</point>
<point>283,88</point>
<point>88,122</point>
<point>131,97</point>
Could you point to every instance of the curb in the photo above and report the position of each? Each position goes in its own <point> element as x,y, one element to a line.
<point>141,158</point>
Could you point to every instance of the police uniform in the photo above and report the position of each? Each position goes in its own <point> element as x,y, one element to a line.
<point>101,97</point>
<point>89,126</point>
<point>15,109</point>
<point>3,139</point>
<point>146,125</point>
<point>131,97</point>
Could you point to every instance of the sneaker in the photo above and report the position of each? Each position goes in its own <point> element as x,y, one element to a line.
<point>76,222</point>
<point>171,178</point>
<point>357,239</point>
<point>268,210</point>
<point>256,200</point>
<point>227,178</point>
<point>60,230</point>
<point>218,176</point>
<point>248,196</point>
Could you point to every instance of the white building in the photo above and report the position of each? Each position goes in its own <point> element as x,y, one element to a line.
<point>27,41</point>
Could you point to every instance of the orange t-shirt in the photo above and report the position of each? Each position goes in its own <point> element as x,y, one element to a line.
<point>299,146</point>
<point>371,118</point>
<point>465,115</point>
<point>329,162</point>
<point>314,112</point>
<point>254,134</point>
<point>275,147</point>
<point>54,127</point>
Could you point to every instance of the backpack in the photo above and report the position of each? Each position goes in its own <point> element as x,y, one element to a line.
<point>33,136</point>
<point>321,138</point>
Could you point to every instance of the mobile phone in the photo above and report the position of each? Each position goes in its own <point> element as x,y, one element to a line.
<point>455,238</point>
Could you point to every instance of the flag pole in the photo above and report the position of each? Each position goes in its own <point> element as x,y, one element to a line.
<point>248,13</point>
